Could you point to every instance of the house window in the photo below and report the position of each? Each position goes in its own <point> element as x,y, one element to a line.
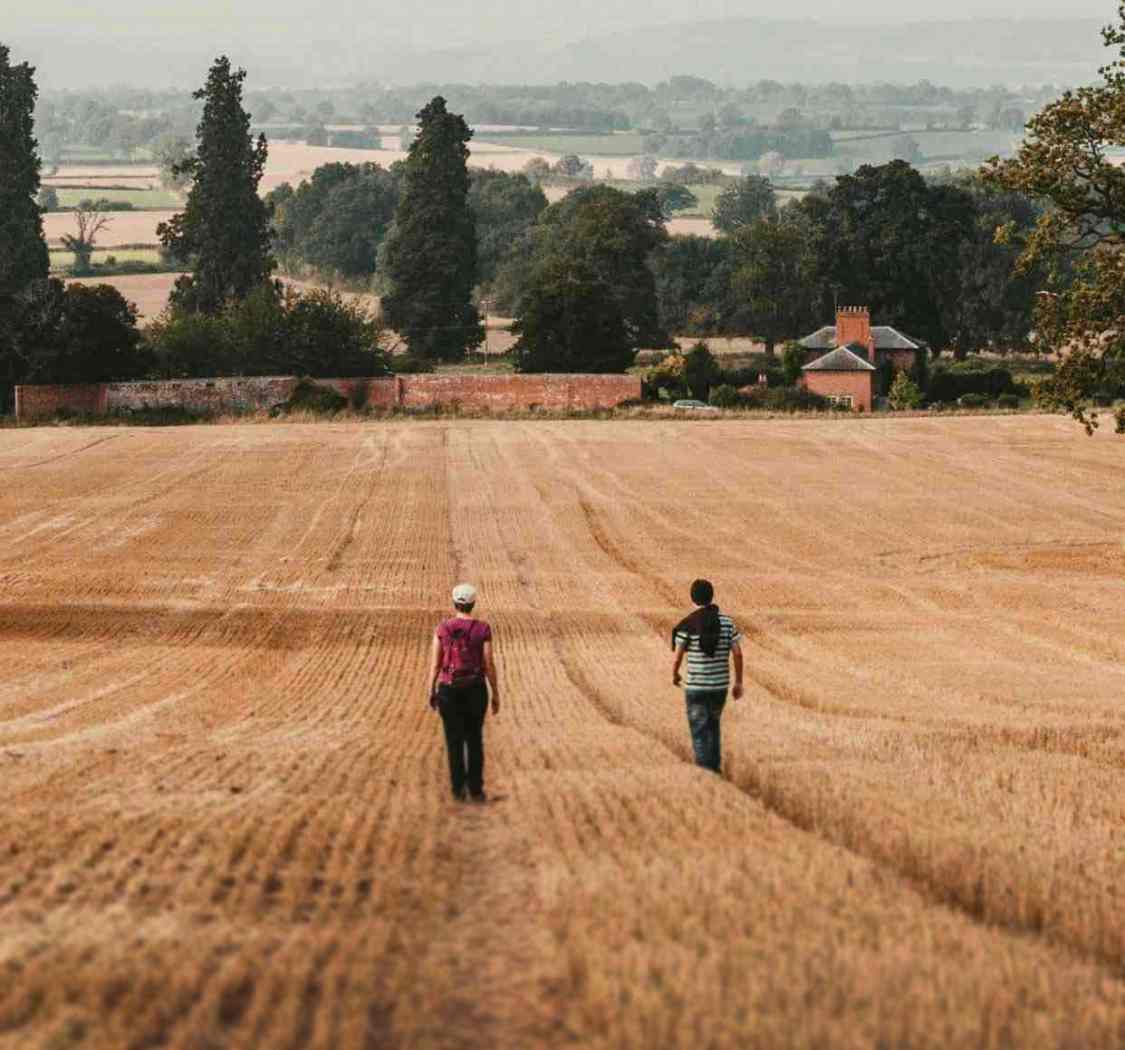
<point>841,400</point>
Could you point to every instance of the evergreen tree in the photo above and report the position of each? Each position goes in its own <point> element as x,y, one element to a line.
<point>430,254</point>
<point>23,250</point>
<point>224,229</point>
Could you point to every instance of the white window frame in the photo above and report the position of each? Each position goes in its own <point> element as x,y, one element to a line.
<point>842,400</point>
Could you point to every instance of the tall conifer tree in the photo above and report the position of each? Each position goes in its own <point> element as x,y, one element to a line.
<point>224,229</point>
<point>23,251</point>
<point>431,251</point>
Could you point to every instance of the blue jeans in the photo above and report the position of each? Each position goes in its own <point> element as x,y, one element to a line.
<point>704,709</point>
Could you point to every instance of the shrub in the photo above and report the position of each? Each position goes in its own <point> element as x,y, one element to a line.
<point>1008,401</point>
<point>972,401</point>
<point>904,393</point>
<point>786,399</point>
<point>307,396</point>
<point>951,383</point>
<point>409,364</point>
<point>725,396</point>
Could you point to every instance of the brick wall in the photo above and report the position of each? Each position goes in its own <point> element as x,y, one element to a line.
<point>487,392</point>
<point>36,402</point>
<point>858,386</point>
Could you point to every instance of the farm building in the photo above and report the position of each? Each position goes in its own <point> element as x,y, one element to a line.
<point>843,377</point>
<point>882,344</point>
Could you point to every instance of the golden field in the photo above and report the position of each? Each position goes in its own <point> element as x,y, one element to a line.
<point>226,821</point>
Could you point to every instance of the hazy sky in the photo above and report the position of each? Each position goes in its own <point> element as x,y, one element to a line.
<point>440,23</point>
<point>81,43</point>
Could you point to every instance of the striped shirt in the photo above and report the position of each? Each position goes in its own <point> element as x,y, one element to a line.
<point>709,672</point>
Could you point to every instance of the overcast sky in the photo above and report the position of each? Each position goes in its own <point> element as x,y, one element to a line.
<point>440,23</point>
<point>324,43</point>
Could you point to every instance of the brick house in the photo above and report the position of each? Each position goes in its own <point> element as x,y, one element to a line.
<point>860,359</point>
<point>843,377</point>
<point>881,344</point>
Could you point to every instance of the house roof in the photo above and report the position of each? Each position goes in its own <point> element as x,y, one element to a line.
<point>886,338</point>
<point>839,360</point>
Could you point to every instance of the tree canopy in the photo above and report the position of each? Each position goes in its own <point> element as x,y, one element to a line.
<point>430,254</point>
<point>224,229</point>
<point>744,202</point>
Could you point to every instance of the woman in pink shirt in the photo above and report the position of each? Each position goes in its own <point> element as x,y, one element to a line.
<point>460,663</point>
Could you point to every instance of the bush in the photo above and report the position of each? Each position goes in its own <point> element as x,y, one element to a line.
<point>725,396</point>
<point>787,399</point>
<point>409,364</point>
<point>972,401</point>
<point>307,396</point>
<point>1008,401</point>
<point>952,383</point>
<point>904,393</point>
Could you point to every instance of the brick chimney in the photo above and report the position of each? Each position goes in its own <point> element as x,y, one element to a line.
<point>853,325</point>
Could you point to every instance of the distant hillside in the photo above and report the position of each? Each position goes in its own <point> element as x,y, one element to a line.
<point>737,51</point>
<point>296,53</point>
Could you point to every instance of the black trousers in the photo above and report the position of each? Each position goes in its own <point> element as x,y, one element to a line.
<point>462,716</point>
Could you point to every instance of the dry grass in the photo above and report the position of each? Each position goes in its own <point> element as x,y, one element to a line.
<point>125,227</point>
<point>225,813</point>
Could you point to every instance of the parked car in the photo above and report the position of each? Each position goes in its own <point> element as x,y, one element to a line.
<point>694,406</point>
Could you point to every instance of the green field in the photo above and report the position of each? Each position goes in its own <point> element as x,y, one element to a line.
<point>64,260</point>
<point>623,144</point>
<point>145,200</point>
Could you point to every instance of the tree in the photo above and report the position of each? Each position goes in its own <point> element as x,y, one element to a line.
<point>537,169</point>
<point>776,277</point>
<point>431,251</point>
<point>792,362</point>
<point>573,166</point>
<point>505,206</point>
<point>23,250</point>
<point>89,223</point>
<point>334,223</point>
<point>744,202</point>
<point>570,321</point>
<point>700,371</point>
<point>904,393</point>
<point>692,276</point>
<point>224,228</point>
<point>173,156</point>
<point>1063,162</point>
<point>674,198</point>
<point>887,238</point>
<point>81,334</point>
<point>771,163</point>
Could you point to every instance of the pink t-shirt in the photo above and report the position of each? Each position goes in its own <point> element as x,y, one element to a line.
<point>475,633</point>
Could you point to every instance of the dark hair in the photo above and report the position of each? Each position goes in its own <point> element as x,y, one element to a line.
<point>702,592</point>
<point>465,607</point>
<point>705,621</point>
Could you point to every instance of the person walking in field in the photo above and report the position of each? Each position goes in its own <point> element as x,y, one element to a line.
<point>460,663</point>
<point>711,641</point>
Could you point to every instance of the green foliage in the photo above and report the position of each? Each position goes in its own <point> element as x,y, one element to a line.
<point>48,199</point>
<point>904,393</point>
<point>972,401</point>
<point>505,207</point>
<point>80,334</point>
<point>272,331</point>
<point>307,396</point>
<point>430,254</point>
<point>792,362</point>
<point>333,223</point>
<point>1008,401</point>
<point>786,399</point>
<point>744,202</point>
<point>951,383</point>
<point>224,227</point>
<point>673,198</point>
<point>725,396</point>
<point>570,320</point>
<point>173,156</point>
<point>775,276</point>
<point>409,364</point>
<point>1065,163</point>
<point>23,250</point>
<point>692,283</point>
<point>701,370</point>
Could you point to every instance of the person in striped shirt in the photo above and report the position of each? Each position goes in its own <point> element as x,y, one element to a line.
<point>711,641</point>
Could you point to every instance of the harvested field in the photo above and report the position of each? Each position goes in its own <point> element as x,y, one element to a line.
<point>125,227</point>
<point>225,817</point>
<point>149,291</point>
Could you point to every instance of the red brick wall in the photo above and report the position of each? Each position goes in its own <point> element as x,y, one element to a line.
<point>857,385</point>
<point>36,402</point>
<point>491,392</point>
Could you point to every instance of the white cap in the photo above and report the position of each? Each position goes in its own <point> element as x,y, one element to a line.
<point>464,594</point>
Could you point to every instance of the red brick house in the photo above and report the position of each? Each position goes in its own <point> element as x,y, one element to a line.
<point>881,344</point>
<point>843,377</point>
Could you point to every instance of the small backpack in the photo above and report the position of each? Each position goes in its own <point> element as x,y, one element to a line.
<point>462,654</point>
